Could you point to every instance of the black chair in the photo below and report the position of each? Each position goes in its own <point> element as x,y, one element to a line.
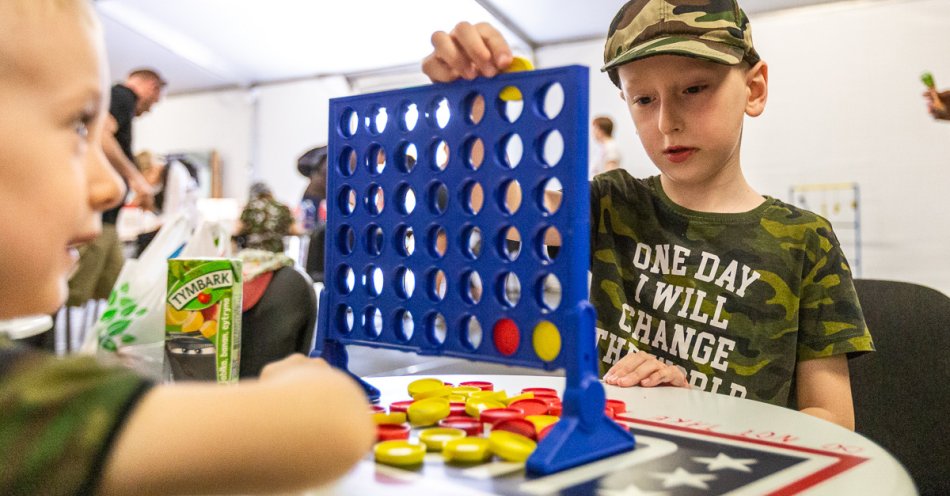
<point>281,323</point>
<point>902,390</point>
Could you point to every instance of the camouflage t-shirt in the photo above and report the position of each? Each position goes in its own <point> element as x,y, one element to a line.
<point>735,300</point>
<point>58,419</point>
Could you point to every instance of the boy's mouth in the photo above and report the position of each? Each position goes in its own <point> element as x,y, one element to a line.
<point>677,154</point>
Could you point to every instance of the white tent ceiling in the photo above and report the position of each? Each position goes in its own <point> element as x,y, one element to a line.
<point>208,44</point>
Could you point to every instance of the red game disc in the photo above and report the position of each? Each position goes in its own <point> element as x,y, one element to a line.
<point>540,391</point>
<point>555,410</point>
<point>471,426</point>
<point>495,415</point>
<point>506,336</point>
<point>377,409</point>
<point>518,426</point>
<point>456,408</point>
<point>484,386</point>
<point>533,406</point>
<point>389,432</point>
<point>609,412</point>
<point>400,406</point>
<point>544,432</point>
<point>617,405</point>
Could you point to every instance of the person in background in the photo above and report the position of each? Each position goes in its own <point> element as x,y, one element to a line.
<point>265,221</point>
<point>101,260</point>
<point>697,279</point>
<point>313,166</point>
<point>74,425</point>
<point>175,185</point>
<point>609,157</point>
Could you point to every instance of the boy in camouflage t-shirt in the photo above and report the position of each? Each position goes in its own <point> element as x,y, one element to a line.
<point>697,279</point>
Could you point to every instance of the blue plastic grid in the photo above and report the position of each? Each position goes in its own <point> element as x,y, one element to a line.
<point>407,241</point>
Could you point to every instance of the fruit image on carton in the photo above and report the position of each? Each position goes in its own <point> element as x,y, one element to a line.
<point>203,320</point>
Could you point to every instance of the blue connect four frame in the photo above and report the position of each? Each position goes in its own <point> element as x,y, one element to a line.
<point>428,251</point>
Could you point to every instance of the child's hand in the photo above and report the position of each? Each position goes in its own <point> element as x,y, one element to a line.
<point>644,369</point>
<point>292,366</point>
<point>467,52</point>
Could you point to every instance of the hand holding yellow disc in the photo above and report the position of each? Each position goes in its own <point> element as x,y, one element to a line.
<point>510,93</point>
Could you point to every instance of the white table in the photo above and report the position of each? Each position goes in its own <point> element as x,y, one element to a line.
<point>798,453</point>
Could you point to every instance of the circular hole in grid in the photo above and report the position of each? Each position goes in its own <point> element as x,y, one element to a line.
<point>436,328</point>
<point>372,322</point>
<point>349,122</point>
<point>405,240</point>
<point>440,153</point>
<point>405,199</point>
<point>475,107</point>
<point>373,280</point>
<point>552,148</point>
<point>473,197</point>
<point>406,157</point>
<point>552,100</point>
<point>375,199</point>
<point>512,197</point>
<point>472,287</point>
<point>346,200</point>
<point>510,243</point>
<point>377,119</point>
<point>550,203</point>
<point>472,242</point>
<point>550,244</point>
<point>374,240</point>
<point>347,163</point>
<point>474,152</point>
<point>409,116</point>
<point>376,159</point>
<point>509,289</point>
<point>403,325</point>
<point>550,291</point>
<point>439,112</point>
<point>436,285</point>
<point>438,197</point>
<point>437,241</point>
<point>511,150</point>
<point>344,319</point>
<point>471,333</point>
<point>510,104</point>
<point>405,282</point>
<point>345,279</point>
<point>346,239</point>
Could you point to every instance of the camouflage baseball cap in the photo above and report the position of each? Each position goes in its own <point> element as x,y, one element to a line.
<point>715,30</point>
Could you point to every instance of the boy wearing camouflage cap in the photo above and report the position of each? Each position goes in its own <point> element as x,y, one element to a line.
<point>698,280</point>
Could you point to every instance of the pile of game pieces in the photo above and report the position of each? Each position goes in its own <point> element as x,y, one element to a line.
<point>468,423</point>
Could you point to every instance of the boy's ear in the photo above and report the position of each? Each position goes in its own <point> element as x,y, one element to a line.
<point>757,82</point>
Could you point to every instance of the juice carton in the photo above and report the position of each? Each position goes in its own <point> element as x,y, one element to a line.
<point>203,319</point>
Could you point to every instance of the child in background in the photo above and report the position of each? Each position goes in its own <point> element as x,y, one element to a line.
<point>73,426</point>
<point>697,279</point>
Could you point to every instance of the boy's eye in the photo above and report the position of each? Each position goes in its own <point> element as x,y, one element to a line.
<point>692,90</point>
<point>81,126</point>
<point>643,100</point>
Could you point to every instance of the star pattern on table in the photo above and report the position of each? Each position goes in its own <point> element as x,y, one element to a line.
<point>724,461</point>
<point>681,477</point>
<point>630,490</point>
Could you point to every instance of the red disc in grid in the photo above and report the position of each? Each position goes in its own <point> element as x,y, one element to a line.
<point>483,385</point>
<point>389,432</point>
<point>533,406</point>
<point>617,405</point>
<point>518,426</point>
<point>400,406</point>
<point>471,426</point>
<point>506,336</point>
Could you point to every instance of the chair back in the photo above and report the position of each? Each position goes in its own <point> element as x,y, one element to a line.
<point>902,391</point>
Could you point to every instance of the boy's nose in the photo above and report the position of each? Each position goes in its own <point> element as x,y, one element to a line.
<point>105,187</point>
<point>669,119</point>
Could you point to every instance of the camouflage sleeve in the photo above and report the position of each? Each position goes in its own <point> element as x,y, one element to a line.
<point>58,419</point>
<point>830,318</point>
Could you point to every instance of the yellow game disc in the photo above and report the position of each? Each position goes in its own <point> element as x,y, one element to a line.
<point>465,390</point>
<point>420,385</point>
<point>510,446</point>
<point>399,453</point>
<point>511,93</point>
<point>389,418</point>
<point>436,437</point>
<point>436,392</point>
<point>428,411</point>
<point>541,421</point>
<point>547,341</point>
<point>474,407</point>
<point>489,395</point>
<point>522,396</point>
<point>467,450</point>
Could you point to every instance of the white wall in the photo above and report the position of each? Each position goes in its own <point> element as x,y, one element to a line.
<point>845,105</point>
